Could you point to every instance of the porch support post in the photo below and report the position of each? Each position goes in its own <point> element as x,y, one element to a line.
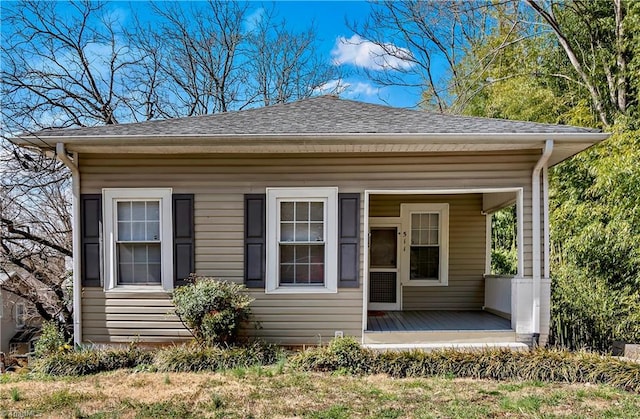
<point>365,264</point>
<point>536,233</point>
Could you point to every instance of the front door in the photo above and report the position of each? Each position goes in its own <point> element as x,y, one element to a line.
<point>384,281</point>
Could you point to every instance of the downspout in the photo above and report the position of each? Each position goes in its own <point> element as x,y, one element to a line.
<point>535,230</point>
<point>61,153</point>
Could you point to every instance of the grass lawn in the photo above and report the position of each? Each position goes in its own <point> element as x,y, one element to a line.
<point>272,392</point>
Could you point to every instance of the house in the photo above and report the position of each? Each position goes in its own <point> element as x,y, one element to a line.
<point>341,217</point>
<point>13,313</point>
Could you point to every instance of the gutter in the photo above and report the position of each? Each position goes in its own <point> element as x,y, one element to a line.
<point>61,154</point>
<point>535,229</point>
<point>304,138</point>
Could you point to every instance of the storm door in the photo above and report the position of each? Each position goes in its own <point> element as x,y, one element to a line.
<point>384,284</point>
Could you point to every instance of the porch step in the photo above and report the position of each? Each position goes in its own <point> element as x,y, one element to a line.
<point>471,346</point>
<point>440,337</point>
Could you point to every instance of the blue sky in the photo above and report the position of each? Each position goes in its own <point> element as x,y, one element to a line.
<point>329,18</point>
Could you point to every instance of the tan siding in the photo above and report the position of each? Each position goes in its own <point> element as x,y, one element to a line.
<point>465,290</point>
<point>124,317</point>
<point>219,183</point>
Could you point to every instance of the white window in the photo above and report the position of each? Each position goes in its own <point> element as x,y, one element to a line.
<point>426,244</point>
<point>20,314</point>
<point>302,236</point>
<point>138,239</point>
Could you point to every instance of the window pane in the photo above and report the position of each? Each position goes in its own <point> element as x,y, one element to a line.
<point>302,232</point>
<point>302,274</point>
<point>153,230</point>
<point>302,254</point>
<point>287,254</point>
<point>317,211</point>
<point>415,236</point>
<point>316,232</point>
<point>154,273</point>
<point>124,231</point>
<point>415,221</point>
<point>302,211</point>
<point>424,262</point>
<point>316,254</point>
<point>138,211</point>
<point>139,253</point>
<point>138,231</point>
<point>287,274</point>
<point>316,274</point>
<point>124,211</point>
<point>433,239</point>
<point>286,232</point>
<point>153,211</point>
<point>434,220</point>
<point>125,253</point>
<point>286,211</point>
<point>153,253</point>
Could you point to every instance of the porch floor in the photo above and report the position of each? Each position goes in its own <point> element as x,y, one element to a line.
<point>435,320</point>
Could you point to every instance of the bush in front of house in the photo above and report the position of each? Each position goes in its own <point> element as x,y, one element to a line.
<point>212,310</point>
<point>551,365</point>
<point>87,361</point>
<point>192,358</point>
<point>51,340</point>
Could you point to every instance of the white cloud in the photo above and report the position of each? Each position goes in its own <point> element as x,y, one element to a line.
<point>353,89</point>
<point>361,88</point>
<point>252,21</point>
<point>366,54</point>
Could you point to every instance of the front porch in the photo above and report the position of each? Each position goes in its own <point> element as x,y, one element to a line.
<point>438,328</point>
<point>428,270</point>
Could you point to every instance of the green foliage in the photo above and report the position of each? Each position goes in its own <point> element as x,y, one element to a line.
<point>587,313</point>
<point>504,251</point>
<point>212,309</point>
<point>595,215</point>
<point>197,358</point>
<point>342,354</point>
<point>51,341</point>
<point>538,365</point>
<point>92,361</point>
<point>15,394</point>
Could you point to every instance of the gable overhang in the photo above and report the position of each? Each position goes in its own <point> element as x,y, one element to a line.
<point>567,144</point>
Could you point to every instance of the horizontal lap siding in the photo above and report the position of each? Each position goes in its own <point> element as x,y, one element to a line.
<point>124,317</point>
<point>219,183</point>
<point>465,290</point>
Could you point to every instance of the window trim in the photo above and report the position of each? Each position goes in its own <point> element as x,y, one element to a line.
<point>111,196</point>
<point>329,195</point>
<point>442,209</point>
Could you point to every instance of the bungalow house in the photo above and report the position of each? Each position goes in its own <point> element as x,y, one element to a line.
<point>341,217</point>
<point>13,314</point>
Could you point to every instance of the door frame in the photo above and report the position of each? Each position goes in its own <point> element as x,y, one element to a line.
<point>393,222</point>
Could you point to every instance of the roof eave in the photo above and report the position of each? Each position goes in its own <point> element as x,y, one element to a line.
<point>116,141</point>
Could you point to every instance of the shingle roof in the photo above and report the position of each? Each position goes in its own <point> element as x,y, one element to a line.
<point>319,115</point>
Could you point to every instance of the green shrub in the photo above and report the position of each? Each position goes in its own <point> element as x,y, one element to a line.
<point>343,354</point>
<point>51,340</point>
<point>92,361</point>
<point>192,358</point>
<point>550,365</point>
<point>588,313</point>
<point>212,309</point>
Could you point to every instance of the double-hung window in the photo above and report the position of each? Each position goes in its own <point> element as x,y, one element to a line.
<point>426,247</point>
<point>138,234</point>
<point>302,240</point>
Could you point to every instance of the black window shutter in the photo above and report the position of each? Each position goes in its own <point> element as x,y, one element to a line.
<point>90,228</point>
<point>348,240</point>
<point>183,238</point>
<point>255,214</point>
